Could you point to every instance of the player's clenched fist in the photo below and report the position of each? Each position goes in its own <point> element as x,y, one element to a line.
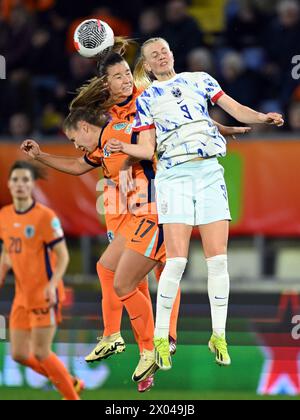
<point>273,118</point>
<point>31,148</point>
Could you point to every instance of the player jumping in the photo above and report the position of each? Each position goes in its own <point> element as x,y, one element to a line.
<point>191,191</point>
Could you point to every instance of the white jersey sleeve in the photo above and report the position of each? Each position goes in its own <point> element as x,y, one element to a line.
<point>143,119</point>
<point>212,88</point>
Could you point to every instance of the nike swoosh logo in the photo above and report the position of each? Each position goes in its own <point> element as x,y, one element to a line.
<point>220,298</point>
<point>97,353</point>
<point>180,102</point>
<point>134,319</point>
<point>139,378</point>
<point>165,297</point>
<point>136,242</point>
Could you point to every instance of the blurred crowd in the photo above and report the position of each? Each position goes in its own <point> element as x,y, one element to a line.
<point>251,57</point>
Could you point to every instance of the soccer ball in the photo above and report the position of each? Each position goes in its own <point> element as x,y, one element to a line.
<point>94,38</point>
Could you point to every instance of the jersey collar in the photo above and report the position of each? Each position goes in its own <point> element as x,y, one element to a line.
<point>21,213</point>
<point>129,99</point>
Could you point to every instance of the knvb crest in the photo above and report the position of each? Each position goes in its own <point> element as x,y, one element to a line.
<point>29,232</point>
<point>2,68</point>
<point>176,92</point>
<point>106,153</point>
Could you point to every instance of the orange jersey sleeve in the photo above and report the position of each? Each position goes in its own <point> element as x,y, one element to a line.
<point>52,231</point>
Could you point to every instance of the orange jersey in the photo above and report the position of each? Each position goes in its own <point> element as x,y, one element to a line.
<point>29,238</point>
<point>142,200</point>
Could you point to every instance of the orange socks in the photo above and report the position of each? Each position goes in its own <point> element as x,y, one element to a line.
<point>112,308</point>
<point>175,316</point>
<point>143,288</point>
<point>35,365</point>
<point>60,377</point>
<point>141,315</point>
<point>175,312</point>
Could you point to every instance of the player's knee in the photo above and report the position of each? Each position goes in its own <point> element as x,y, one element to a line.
<point>175,268</point>
<point>104,262</point>
<point>215,250</point>
<point>118,288</point>
<point>217,265</point>
<point>122,289</point>
<point>41,353</point>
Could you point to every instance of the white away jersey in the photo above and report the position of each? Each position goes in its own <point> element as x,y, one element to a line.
<point>178,109</point>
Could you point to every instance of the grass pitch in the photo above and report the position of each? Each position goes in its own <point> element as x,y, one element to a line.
<point>22,394</point>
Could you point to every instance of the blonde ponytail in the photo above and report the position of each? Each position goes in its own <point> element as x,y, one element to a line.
<point>142,79</point>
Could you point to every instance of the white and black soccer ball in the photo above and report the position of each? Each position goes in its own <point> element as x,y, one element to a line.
<point>94,38</point>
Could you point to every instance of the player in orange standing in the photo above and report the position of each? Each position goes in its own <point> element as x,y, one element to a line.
<point>138,245</point>
<point>35,249</point>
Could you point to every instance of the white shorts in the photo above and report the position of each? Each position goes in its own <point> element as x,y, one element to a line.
<point>193,193</point>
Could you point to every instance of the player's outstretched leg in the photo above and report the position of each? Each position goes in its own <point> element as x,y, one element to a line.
<point>21,343</point>
<point>219,287</point>
<point>148,383</point>
<point>174,315</point>
<point>34,364</point>
<point>133,267</point>
<point>56,371</point>
<point>112,342</point>
<point>167,293</point>
<point>140,312</point>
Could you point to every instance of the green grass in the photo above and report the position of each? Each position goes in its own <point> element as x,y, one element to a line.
<point>22,394</point>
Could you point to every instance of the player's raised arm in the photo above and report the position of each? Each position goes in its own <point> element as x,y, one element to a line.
<point>5,266</point>
<point>144,150</point>
<point>62,262</point>
<point>69,165</point>
<point>247,115</point>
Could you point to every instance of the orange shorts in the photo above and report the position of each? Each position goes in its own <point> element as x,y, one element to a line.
<point>22,318</point>
<point>145,236</point>
<point>116,225</point>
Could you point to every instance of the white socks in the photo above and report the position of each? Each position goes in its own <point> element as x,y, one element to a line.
<point>218,290</point>
<point>167,292</point>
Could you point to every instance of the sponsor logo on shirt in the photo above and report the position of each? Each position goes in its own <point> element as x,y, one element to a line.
<point>120,126</point>
<point>56,226</point>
